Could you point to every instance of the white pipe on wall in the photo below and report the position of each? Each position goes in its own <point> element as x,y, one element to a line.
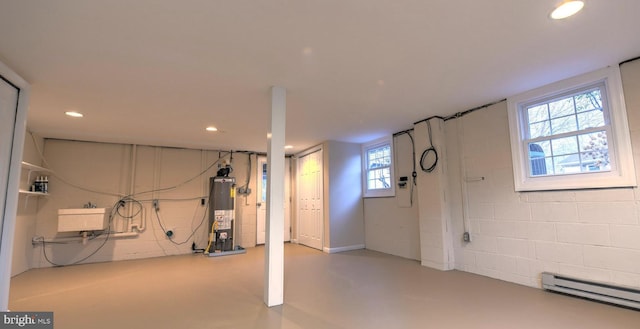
<point>81,238</point>
<point>466,225</point>
<point>132,167</point>
<point>143,223</point>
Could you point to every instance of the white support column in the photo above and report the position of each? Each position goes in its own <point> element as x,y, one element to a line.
<point>274,235</point>
<point>436,244</point>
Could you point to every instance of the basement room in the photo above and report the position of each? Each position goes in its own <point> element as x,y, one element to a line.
<point>327,164</point>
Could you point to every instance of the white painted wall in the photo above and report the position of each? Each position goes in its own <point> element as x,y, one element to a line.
<point>590,234</point>
<point>391,224</point>
<point>246,208</point>
<point>108,167</point>
<point>343,206</point>
<point>27,211</point>
<point>436,245</point>
<point>343,212</point>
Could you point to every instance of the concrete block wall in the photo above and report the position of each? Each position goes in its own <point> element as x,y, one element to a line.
<point>391,225</point>
<point>589,234</point>
<point>109,168</point>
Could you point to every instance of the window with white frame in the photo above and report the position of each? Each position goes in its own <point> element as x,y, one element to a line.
<point>378,168</point>
<point>572,134</point>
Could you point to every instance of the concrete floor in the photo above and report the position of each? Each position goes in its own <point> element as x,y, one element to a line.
<point>358,289</point>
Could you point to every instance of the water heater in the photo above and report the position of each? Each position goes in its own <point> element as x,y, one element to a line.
<point>221,213</point>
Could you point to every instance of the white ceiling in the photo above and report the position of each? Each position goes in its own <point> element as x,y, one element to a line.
<point>158,72</point>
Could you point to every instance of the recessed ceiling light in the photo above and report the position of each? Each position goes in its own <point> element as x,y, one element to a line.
<point>288,146</point>
<point>74,114</point>
<point>212,128</point>
<point>566,9</point>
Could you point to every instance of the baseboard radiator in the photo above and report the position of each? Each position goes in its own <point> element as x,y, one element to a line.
<point>623,296</point>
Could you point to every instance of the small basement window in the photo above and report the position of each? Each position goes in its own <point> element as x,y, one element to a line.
<point>378,168</point>
<point>572,134</point>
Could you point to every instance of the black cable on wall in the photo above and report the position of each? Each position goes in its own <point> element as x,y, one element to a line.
<point>430,150</point>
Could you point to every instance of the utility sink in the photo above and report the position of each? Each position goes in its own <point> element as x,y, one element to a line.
<point>82,219</point>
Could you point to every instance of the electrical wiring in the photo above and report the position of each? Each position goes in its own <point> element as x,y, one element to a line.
<point>62,178</point>
<point>213,230</point>
<point>428,151</point>
<point>116,206</point>
<point>220,157</point>
<point>130,199</point>
<point>246,186</point>
<point>213,226</point>
<point>44,252</point>
<point>459,114</point>
<point>185,182</point>
<point>414,174</point>
<point>432,149</point>
<point>193,232</point>
<point>119,195</point>
<point>248,172</point>
<point>629,60</point>
<point>195,219</point>
<point>175,199</point>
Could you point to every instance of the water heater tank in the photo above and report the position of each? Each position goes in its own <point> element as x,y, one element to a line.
<point>221,211</point>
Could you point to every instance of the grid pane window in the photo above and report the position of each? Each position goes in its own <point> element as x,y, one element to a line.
<point>590,119</point>
<point>561,108</point>
<point>540,129</point>
<point>379,179</point>
<point>538,113</point>
<point>378,167</point>
<point>568,134</point>
<point>572,134</point>
<point>563,125</point>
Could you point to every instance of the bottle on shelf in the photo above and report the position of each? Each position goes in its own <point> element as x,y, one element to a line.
<point>37,185</point>
<point>41,184</point>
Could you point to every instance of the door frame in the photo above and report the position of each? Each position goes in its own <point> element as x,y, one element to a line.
<point>297,205</point>
<point>260,160</point>
<point>8,219</point>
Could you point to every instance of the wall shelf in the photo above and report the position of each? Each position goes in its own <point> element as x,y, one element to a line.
<point>31,168</point>
<point>30,193</point>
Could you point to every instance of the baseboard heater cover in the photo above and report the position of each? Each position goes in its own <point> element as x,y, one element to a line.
<point>624,296</point>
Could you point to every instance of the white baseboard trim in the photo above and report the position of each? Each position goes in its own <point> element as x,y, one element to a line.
<point>341,249</point>
<point>437,266</point>
<point>294,241</point>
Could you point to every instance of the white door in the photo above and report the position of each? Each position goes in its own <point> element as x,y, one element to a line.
<point>8,109</point>
<point>14,100</point>
<point>310,199</point>
<point>261,200</point>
